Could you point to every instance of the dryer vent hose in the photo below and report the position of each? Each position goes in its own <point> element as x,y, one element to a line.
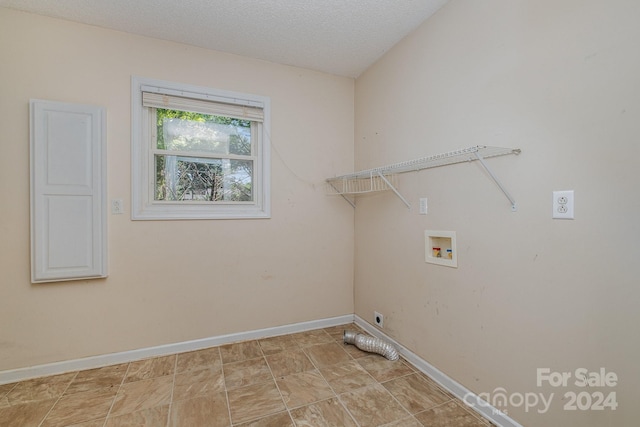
<point>370,344</point>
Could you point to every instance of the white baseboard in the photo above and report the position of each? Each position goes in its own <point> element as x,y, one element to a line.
<point>21,374</point>
<point>446,382</point>
<point>458,390</point>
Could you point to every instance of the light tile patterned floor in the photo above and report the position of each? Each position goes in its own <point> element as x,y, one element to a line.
<point>308,379</point>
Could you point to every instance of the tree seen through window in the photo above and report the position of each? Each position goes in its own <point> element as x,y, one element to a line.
<point>202,157</point>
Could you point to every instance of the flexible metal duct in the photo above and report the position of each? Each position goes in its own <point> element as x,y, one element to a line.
<point>370,344</point>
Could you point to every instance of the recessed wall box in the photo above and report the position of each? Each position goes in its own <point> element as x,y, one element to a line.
<point>440,248</point>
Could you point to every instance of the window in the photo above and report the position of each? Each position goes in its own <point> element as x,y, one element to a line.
<point>198,153</point>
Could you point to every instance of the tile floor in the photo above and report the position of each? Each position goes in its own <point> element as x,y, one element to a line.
<point>306,379</point>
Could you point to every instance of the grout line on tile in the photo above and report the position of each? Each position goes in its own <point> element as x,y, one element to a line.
<point>336,395</point>
<point>226,390</point>
<point>113,402</point>
<point>59,397</point>
<point>437,406</point>
<point>173,386</point>
<point>395,398</point>
<point>273,377</point>
<point>347,410</point>
<point>11,389</point>
<point>472,412</point>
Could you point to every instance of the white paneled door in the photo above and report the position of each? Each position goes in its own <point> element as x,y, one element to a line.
<point>68,191</point>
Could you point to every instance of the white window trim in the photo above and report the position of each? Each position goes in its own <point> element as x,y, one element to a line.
<point>144,207</point>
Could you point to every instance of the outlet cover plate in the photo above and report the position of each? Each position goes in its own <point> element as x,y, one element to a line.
<point>563,204</point>
<point>117,208</point>
<point>423,206</point>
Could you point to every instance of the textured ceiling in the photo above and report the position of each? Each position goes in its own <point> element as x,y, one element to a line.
<point>341,37</point>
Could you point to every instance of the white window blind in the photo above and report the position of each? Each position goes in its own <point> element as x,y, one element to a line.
<point>211,107</point>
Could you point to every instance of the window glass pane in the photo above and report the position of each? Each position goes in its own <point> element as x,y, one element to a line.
<point>188,131</point>
<point>191,178</point>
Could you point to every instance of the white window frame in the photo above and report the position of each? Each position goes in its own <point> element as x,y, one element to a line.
<point>144,207</point>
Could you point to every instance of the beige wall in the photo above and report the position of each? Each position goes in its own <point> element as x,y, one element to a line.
<point>557,79</point>
<point>560,80</point>
<point>172,281</point>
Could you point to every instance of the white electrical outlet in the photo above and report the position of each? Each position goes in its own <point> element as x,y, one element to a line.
<point>378,319</point>
<point>117,207</point>
<point>423,206</point>
<point>563,204</point>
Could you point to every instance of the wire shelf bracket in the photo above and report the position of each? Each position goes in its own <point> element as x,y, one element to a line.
<point>394,190</point>
<point>514,206</point>
<point>384,178</point>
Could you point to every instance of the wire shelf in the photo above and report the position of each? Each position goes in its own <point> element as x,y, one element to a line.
<point>452,157</point>
<point>385,177</point>
<point>361,184</point>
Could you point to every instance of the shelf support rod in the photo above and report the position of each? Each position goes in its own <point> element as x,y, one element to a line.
<point>394,189</point>
<point>353,205</point>
<point>495,179</point>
